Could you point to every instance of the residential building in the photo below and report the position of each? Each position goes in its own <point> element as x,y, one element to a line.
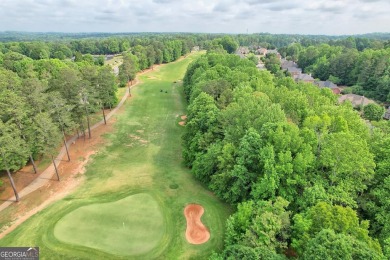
<point>243,50</point>
<point>304,77</point>
<point>295,72</point>
<point>285,64</point>
<point>261,51</point>
<point>356,100</point>
<point>274,52</point>
<point>328,84</point>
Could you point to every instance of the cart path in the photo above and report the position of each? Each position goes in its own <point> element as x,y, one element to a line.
<point>48,173</point>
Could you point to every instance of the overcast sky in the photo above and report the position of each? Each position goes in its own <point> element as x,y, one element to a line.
<point>226,16</point>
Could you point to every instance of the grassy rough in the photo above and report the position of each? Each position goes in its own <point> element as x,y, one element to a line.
<point>144,156</point>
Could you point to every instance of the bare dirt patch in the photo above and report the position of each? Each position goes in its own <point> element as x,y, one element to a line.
<point>78,149</point>
<point>184,117</point>
<point>57,192</point>
<point>196,232</point>
<point>182,123</point>
<point>138,138</point>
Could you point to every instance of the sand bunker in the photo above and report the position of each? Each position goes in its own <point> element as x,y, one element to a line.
<point>182,123</point>
<point>196,232</point>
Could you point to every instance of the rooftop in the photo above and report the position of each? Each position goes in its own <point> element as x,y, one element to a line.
<point>356,100</point>
<point>304,77</point>
<point>285,64</point>
<point>325,84</point>
<point>294,69</point>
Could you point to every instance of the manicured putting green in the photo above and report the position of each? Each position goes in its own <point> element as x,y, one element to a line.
<point>130,226</point>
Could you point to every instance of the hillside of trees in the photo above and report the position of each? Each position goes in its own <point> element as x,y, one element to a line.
<point>307,175</point>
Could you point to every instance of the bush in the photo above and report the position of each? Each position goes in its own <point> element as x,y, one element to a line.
<point>373,112</point>
<point>347,90</point>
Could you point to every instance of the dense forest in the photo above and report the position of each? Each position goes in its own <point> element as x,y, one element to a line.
<point>309,177</point>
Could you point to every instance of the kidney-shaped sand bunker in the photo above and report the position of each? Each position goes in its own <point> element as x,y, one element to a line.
<point>196,232</point>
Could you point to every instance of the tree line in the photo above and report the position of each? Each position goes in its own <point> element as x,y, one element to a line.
<point>44,101</point>
<point>272,41</point>
<point>65,49</point>
<point>307,175</point>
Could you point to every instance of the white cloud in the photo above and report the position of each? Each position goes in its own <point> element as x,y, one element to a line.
<point>274,16</point>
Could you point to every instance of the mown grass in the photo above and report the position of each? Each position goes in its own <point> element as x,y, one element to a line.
<point>120,92</point>
<point>116,61</point>
<point>130,226</point>
<point>144,156</point>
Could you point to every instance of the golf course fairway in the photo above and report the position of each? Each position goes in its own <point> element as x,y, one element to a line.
<point>130,204</point>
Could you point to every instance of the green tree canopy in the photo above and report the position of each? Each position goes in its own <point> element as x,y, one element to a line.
<point>373,112</point>
<point>341,220</point>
